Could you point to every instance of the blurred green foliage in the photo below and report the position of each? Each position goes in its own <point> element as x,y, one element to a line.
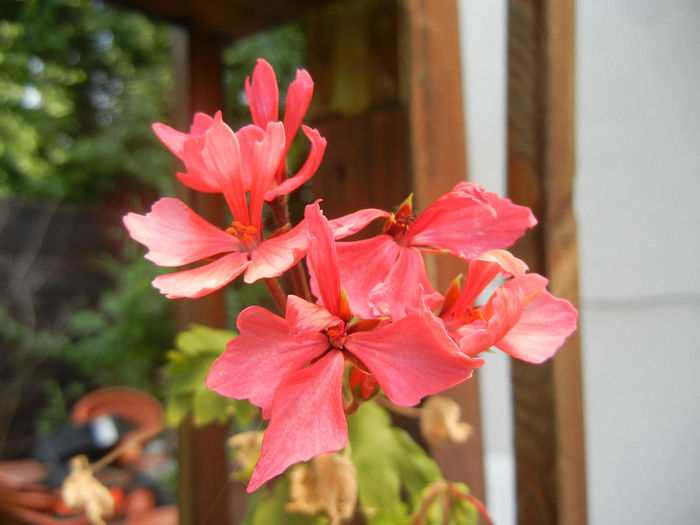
<point>80,84</point>
<point>187,394</point>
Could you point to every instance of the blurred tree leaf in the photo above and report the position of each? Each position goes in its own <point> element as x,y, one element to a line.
<point>80,82</point>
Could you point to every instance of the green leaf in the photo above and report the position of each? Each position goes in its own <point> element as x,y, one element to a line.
<point>389,465</point>
<point>203,340</point>
<point>187,370</point>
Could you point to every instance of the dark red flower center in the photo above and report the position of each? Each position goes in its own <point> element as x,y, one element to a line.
<point>336,335</point>
<point>400,222</point>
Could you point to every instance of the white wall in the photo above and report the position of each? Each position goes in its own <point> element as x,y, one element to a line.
<point>638,186</point>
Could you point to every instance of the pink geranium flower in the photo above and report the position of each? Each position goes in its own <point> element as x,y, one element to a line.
<point>293,367</point>
<point>464,222</point>
<point>241,164</point>
<point>263,97</point>
<point>521,317</point>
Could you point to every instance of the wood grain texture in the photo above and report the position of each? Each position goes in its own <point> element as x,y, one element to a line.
<point>548,403</point>
<point>202,470</point>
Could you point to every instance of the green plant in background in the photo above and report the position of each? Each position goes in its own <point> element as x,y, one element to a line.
<point>186,392</point>
<point>78,81</point>
<point>122,340</point>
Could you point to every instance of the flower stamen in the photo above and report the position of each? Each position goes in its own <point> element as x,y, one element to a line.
<point>241,231</point>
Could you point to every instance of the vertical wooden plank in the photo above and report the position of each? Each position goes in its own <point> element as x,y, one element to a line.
<point>352,54</point>
<point>439,161</point>
<point>202,475</point>
<point>548,404</point>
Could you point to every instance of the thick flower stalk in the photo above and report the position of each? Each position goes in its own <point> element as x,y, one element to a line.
<point>242,164</point>
<point>521,317</point>
<point>464,222</point>
<point>293,367</point>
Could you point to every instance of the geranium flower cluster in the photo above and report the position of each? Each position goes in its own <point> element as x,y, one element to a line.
<point>375,323</point>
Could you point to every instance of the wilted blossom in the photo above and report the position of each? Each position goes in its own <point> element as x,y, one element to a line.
<point>328,484</point>
<point>82,491</point>
<point>439,420</point>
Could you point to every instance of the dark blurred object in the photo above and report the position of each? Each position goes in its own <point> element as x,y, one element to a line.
<point>92,439</point>
<point>100,420</point>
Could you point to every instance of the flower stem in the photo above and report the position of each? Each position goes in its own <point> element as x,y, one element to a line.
<point>474,501</point>
<point>280,211</point>
<point>298,279</point>
<point>277,293</point>
<point>433,493</point>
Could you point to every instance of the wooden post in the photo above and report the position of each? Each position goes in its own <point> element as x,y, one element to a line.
<point>388,98</point>
<point>202,475</point>
<point>548,405</point>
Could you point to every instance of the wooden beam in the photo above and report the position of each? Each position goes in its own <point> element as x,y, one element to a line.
<point>203,474</point>
<point>548,403</point>
<point>388,98</point>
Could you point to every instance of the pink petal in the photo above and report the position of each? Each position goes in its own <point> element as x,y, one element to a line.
<point>200,124</point>
<point>257,360</point>
<point>304,317</point>
<point>199,181</point>
<point>174,139</point>
<point>354,222</point>
<point>278,254</point>
<point>391,297</point>
<point>313,160</point>
<point>542,328</point>
<point>263,94</point>
<point>467,221</point>
<point>473,338</point>
<point>269,154</point>
<point>298,100</point>
<point>354,258</point>
<point>482,271</point>
<point>202,280</point>
<point>248,136</point>
<point>175,235</point>
<point>407,359</point>
<point>307,419</point>
<point>321,258</point>
<point>221,155</point>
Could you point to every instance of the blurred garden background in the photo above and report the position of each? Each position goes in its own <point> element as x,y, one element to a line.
<point>80,83</point>
<point>82,80</point>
